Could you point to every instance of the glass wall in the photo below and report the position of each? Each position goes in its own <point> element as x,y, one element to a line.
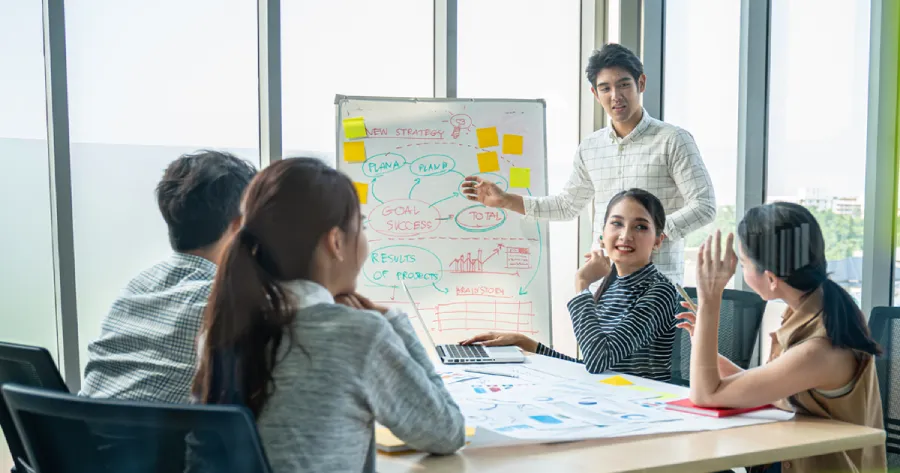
<point>818,97</point>
<point>384,48</point>
<point>147,82</point>
<point>702,55</point>
<point>896,299</point>
<point>27,297</point>
<point>514,62</point>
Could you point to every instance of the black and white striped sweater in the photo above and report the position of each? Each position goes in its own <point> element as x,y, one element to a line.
<point>631,329</point>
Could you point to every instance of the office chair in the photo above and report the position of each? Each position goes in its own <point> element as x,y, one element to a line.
<point>60,434</point>
<point>739,320</point>
<point>29,366</point>
<point>884,324</point>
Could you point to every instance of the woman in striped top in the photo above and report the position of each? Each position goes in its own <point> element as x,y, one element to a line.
<point>628,325</point>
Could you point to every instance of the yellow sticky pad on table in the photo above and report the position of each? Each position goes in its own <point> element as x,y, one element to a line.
<point>354,151</point>
<point>519,177</point>
<point>512,144</point>
<point>661,395</point>
<point>354,127</point>
<point>616,381</point>
<point>488,162</point>
<point>487,137</point>
<point>362,189</point>
<point>386,441</point>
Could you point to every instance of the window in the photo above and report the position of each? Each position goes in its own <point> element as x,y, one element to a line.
<point>147,83</point>
<point>383,48</point>
<point>27,292</point>
<point>702,57</point>
<point>896,299</point>
<point>27,301</point>
<point>818,96</point>
<point>506,59</point>
<point>613,12</point>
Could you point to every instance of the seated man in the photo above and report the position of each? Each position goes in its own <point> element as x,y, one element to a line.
<point>146,350</point>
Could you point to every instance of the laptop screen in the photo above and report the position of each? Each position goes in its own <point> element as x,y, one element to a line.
<point>415,309</point>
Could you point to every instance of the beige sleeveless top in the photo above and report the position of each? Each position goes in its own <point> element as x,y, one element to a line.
<point>858,403</point>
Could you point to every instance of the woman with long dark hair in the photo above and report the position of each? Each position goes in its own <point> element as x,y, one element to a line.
<point>286,334</point>
<point>628,324</point>
<point>822,358</point>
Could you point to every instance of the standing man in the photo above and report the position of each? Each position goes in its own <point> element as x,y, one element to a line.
<point>635,151</point>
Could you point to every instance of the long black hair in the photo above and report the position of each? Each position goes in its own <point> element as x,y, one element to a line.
<point>657,212</point>
<point>288,207</point>
<point>786,239</point>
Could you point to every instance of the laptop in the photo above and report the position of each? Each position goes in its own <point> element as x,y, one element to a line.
<point>467,354</point>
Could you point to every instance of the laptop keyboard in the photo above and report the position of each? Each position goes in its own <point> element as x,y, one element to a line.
<point>466,351</point>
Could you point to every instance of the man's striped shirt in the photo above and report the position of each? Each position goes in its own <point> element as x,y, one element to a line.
<point>630,330</point>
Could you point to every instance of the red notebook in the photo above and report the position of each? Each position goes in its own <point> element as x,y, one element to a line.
<point>685,405</point>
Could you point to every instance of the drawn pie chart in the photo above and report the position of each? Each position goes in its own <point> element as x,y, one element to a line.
<point>633,417</point>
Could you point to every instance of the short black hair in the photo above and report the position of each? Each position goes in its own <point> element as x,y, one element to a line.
<point>200,195</point>
<point>613,55</point>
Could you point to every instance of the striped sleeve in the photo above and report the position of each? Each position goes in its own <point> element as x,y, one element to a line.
<point>547,351</point>
<point>602,350</point>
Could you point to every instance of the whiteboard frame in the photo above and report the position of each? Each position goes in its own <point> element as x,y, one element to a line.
<point>340,100</point>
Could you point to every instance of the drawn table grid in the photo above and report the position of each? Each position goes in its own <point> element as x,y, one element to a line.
<point>489,315</point>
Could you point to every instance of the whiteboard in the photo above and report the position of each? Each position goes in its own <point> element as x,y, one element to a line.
<point>470,268</point>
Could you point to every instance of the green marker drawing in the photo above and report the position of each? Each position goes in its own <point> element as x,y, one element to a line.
<point>445,290</point>
<point>417,182</point>
<point>469,229</point>
<point>524,289</point>
<point>455,194</point>
<point>373,192</point>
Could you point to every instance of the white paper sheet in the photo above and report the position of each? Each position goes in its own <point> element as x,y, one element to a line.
<point>547,400</point>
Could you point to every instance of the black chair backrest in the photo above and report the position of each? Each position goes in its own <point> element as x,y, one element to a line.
<point>739,320</point>
<point>884,324</point>
<point>29,366</point>
<point>64,433</point>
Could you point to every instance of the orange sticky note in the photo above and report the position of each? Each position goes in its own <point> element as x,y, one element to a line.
<point>487,162</point>
<point>487,137</point>
<point>354,151</point>
<point>616,381</point>
<point>354,127</point>
<point>362,189</point>
<point>512,144</point>
<point>519,177</point>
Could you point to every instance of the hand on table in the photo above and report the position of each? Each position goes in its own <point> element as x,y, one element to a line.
<point>502,339</point>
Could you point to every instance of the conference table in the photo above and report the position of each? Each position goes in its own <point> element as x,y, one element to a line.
<point>703,451</point>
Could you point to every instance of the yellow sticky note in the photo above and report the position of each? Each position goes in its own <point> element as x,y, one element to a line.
<point>354,151</point>
<point>354,127</point>
<point>660,395</point>
<point>487,137</point>
<point>512,144</point>
<point>519,177</point>
<point>362,189</point>
<point>386,441</point>
<point>616,381</point>
<point>487,162</point>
